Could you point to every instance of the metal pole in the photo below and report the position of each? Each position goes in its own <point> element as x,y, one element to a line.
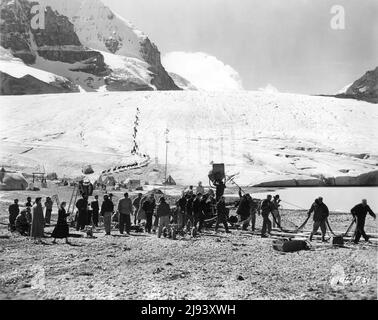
<point>166,156</point>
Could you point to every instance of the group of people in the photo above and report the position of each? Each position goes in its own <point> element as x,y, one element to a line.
<point>193,209</point>
<point>31,220</point>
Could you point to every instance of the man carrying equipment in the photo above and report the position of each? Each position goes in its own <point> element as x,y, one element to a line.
<point>321,214</point>
<point>359,212</point>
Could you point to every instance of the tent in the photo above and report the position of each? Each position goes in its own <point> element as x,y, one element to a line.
<point>107,180</point>
<point>170,181</point>
<point>87,169</point>
<point>13,181</point>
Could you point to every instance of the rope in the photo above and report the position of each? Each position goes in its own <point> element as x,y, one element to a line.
<point>330,229</point>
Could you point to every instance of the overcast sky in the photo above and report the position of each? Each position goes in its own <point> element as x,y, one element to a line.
<point>289,44</point>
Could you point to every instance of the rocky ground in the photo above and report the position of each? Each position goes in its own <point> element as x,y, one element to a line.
<point>212,266</point>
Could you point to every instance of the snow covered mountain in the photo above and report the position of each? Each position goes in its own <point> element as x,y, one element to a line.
<point>84,44</point>
<point>365,88</point>
<point>265,137</point>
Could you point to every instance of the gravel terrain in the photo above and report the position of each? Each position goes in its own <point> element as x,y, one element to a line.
<point>212,266</point>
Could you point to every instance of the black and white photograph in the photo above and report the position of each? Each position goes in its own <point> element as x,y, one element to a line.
<point>204,152</point>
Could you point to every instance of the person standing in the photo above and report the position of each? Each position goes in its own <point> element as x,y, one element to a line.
<point>200,189</point>
<point>181,204</point>
<point>89,214</point>
<point>321,214</point>
<point>28,203</point>
<point>107,209</point>
<point>276,211</point>
<point>149,207</point>
<point>359,212</point>
<point>266,209</point>
<point>163,212</point>
<point>136,205</point>
<point>38,221</point>
<point>48,210</point>
<point>14,211</point>
<point>95,210</point>
<point>220,186</point>
<point>222,215</point>
<point>189,210</point>
<point>61,230</point>
<point>198,212</point>
<point>254,208</point>
<point>244,209</point>
<point>82,206</point>
<point>125,210</point>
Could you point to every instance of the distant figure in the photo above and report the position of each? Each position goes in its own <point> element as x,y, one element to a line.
<point>181,206</point>
<point>189,191</point>
<point>149,207</point>
<point>61,230</point>
<point>198,212</point>
<point>163,212</point>
<point>321,214</point>
<point>28,203</point>
<point>95,210</point>
<point>14,211</point>
<point>107,209</point>
<point>89,214</point>
<point>220,186</point>
<point>244,209</point>
<point>48,210</point>
<point>189,210</point>
<point>141,215</point>
<point>222,215</point>
<point>125,210</point>
<point>22,223</point>
<point>136,204</point>
<point>82,207</point>
<point>359,212</point>
<point>276,211</point>
<point>38,221</point>
<point>266,209</point>
<point>200,189</point>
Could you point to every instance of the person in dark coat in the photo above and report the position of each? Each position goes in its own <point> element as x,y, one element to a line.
<point>220,186</point>
<point>136,204</point>
<point>61,230</point>
<point>266,209</point>
<point>321,214</point>
<point>14,211</point>
<point>189,209</point>
<point>48,210</point>
<point>38,221</point>
<point>28,203</point>
<point>107,209</point>
<point>181,205</point>
<point>359,212</point>
<point>222,215</point>
<point>163,212</point>
<point>149,207</point>
<point>82,206</point>
<point>22,224</point>
<point>95,210</point>
<point>198,212</point>
<point>244,209</point>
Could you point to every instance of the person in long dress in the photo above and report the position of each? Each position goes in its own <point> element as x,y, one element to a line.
<point>61,231</point>
<point>38,221</point>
